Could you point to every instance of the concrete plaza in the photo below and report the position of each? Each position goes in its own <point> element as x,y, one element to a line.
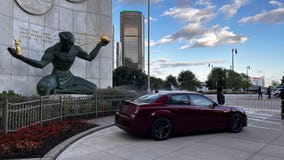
<point>263,139</point>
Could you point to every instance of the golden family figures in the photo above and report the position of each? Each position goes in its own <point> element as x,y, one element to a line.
<point>17,46</point>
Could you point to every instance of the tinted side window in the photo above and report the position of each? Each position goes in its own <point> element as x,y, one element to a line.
<point>200,100</point>
<point>178,99</point>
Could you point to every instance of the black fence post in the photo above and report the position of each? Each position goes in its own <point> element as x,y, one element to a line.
<point>5,116</point>
<point>40,112</point>
<point>61,109</point>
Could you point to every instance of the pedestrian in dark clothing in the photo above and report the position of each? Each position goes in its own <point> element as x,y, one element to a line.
<point>269,93</point>
<point>220,95</point>
<point>259,93</point>
<point>282,103</point>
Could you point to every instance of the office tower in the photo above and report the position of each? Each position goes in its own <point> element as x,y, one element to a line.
<point>132,39</point>
<point>118,57</point>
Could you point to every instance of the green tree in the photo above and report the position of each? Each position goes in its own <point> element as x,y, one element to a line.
<point>129,76</point>
<point>217,75</point>
<point>121,76</point>
<point>188,81</point>
<point>245,81</point>
<point>275,83</point>
<point>156,83</point>
<point>238,81</point>
<point>170,81</point>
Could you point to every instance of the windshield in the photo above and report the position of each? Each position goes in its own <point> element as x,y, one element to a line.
<point>148,98</point>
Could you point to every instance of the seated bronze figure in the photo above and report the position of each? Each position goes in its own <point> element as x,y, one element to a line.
<point>62,55</point>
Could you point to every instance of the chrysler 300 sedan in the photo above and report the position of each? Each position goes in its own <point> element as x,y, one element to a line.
<point>162,114</point>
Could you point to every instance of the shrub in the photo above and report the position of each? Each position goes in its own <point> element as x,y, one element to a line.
<point>11,96</point>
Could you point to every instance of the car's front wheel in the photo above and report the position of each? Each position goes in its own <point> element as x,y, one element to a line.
<point>236,123</point>
<point>161,128</point>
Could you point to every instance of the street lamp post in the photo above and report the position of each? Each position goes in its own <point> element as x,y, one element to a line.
<point>234,51</point>
<point>149,89</point>
<point>248,67</point>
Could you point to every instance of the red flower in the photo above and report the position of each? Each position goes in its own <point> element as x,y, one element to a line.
<point>29,139</point>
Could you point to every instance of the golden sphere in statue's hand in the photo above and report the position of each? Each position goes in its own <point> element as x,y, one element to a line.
<point>105,39</point>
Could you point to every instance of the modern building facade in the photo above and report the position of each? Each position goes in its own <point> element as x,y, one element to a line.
<point>132,39</point>
<point>258,81</point>
<point>37,23</point>
<point>118,56</point>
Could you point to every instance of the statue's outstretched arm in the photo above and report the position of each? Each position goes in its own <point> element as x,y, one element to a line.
<point>47,58</point>
<point>89,57</point>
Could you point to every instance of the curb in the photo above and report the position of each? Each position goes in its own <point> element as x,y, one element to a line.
<point>57,150</point>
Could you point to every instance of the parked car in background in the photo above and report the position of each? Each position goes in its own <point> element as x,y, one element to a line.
<point>276,92</point>
<point>162,114</point>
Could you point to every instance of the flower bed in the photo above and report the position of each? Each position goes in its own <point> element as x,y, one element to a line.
<point>37,140</point>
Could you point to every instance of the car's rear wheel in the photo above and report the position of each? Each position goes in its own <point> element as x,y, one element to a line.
<point>161,128</point>
<point>236,123</point>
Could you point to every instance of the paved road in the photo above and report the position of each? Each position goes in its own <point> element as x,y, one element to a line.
<point>263,139</point>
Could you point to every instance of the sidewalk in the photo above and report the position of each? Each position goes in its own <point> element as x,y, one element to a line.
<point>103,122</point>
<point>258,141</point>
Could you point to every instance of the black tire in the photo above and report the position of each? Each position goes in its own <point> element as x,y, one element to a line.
<point>236,123</point>
<point>161,128</point>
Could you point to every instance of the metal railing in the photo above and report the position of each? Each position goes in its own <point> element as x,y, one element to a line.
<point>1,115</point>
<point>24,114</point>
<point>18,115</point>
<point>251,103</point>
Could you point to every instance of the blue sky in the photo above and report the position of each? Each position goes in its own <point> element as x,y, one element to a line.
<point>191,34</point>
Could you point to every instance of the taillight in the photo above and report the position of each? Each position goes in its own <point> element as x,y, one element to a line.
<point>129,108</point>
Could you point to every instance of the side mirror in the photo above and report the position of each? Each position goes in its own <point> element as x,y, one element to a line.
<point>213,105</point>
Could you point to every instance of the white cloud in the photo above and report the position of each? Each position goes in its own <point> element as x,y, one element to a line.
<point>231,9</point>
<point>273,16</point>
<point>164,40</point>
<point>195,32</point>
<point>276,3</point>
<point>164,67</point>
<point>152,43</point>
<point>165,63</point>
<point>218,36</point>
<point>151,20</point>
<point>207,3</point>
<point>190,14</point>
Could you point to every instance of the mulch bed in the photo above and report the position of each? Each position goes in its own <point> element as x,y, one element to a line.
<point>50,144</point>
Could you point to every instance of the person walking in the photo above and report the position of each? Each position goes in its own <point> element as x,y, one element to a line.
<point>220,95</point>
<point>259,93</point>
<point>282,104</point>
<point>269,92</point>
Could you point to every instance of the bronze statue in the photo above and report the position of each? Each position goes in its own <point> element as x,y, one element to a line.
<point>62,55</point>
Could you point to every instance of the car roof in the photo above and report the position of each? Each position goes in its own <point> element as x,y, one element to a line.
<point>175,92</point>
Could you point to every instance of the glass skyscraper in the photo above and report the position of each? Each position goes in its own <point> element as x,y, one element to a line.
<point>132,39</point>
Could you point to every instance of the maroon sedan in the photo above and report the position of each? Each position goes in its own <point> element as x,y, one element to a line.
<point>163,114</point>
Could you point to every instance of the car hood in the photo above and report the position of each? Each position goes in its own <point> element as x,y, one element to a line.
<point>234,108</point>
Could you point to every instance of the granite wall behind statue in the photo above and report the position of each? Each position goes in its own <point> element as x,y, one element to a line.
<point>37,23</point>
